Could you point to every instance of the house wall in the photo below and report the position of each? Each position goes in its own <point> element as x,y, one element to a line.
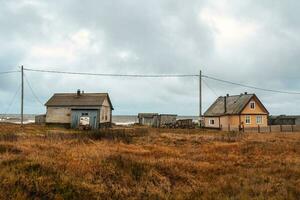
<point>206,122</point>
<point>257,110</point>
<point>253,121</point>
<point>105,112</point>
<point>58,115</point>
<point>253,113</point>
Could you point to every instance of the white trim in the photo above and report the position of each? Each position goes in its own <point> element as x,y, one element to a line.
<point>210,120</point>
<point>261,119</point>
<point>252,102</point>
<point>249,119</point>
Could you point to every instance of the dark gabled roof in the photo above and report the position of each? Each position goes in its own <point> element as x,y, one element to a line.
<point>84,99</point>
<point>234,105</point>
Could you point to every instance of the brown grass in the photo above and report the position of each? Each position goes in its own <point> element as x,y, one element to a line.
<point>137,163</point>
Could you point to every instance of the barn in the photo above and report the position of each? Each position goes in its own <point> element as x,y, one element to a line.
<point>69,109</point>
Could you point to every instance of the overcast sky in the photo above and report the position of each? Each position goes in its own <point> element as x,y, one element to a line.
<point>250,42</point>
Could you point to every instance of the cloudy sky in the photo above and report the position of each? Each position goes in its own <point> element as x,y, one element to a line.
<point>250,42</point>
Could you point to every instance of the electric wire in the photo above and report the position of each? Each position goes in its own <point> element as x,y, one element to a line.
<point>249,86</point>
<point>12,101</point>
<point>211,89</point>
<point>115,75</point>
<point>32,91</point>
<point>163,76</point>
<point>8,72</point>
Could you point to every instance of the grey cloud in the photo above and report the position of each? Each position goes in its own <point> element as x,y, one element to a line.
<point>151,37</point>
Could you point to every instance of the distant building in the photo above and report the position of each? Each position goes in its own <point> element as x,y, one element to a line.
<point>166,119</point>
<point>69,109</point>
<point>156,120</point>
<point>40,119</point>
<point>148,119</point>
<point>244,110</point>
<point>284,120</point>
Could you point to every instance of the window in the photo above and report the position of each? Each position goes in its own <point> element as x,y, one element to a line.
<point>252,105</point>
<point>84,114</point>
<point>211,122</point>
<point>259,120</point>
<point>248,119</point>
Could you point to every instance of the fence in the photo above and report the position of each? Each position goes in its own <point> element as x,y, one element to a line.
<point>263,129</point>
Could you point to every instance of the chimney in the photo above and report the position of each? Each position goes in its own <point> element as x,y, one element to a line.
<point>78,92</point>
<point>246,92</point>
<point>225,103</point>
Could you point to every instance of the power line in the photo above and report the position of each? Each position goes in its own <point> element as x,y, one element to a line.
<point>160,76</point>
<point>32,91</point>
<point>249,86</point>
<point>115,75</point>
<point>211,89</point>
<point>12,100</point>
<point>9,72</point>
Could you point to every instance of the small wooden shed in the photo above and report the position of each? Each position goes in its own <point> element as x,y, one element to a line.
<point>167,119</point>
<point>148,119</point>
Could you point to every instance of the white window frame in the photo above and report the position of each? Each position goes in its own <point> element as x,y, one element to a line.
<point>248,116</point>
<point>210,120</point>
<point>261,121</point>
<point>252,102</point>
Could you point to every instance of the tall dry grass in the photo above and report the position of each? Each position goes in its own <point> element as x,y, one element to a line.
<point>137,163</point>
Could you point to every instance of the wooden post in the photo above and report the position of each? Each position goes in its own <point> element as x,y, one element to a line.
<point>258,129</point>
<point>22,96</point>
<point>228,127</point>
<point>200,99</point>
<point>280,128</point>
<point>292,128</point>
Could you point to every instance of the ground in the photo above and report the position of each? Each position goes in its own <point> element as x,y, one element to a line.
<point>39,162</point>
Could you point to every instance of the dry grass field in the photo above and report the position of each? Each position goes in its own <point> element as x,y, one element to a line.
<point>54,163</point>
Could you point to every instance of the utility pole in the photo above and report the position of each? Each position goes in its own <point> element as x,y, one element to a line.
<point>22,95</point>
<point>200,98</point>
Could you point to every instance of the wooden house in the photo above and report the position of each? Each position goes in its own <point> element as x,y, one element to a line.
<point>238,111</point>
<point>69,109</point>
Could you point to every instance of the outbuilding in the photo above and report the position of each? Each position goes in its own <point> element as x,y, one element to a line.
<point>75,109</point>
<point>148,119</point>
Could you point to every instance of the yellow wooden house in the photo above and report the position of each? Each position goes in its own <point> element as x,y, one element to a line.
<point>237,111</point>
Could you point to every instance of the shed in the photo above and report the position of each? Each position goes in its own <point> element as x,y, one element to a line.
<point>167,119</point>
<point>148,119</point>
<point>40,119</point>
<point>284,120</point>
<point>68,108</point>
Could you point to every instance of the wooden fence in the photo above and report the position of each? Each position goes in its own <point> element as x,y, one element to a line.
<point>264,129</point>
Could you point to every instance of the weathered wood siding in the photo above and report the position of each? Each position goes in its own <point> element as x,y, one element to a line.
<point>105,112</point>
<point>58,115</point>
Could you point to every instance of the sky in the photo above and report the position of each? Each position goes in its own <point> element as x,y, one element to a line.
<point>249,42</point>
